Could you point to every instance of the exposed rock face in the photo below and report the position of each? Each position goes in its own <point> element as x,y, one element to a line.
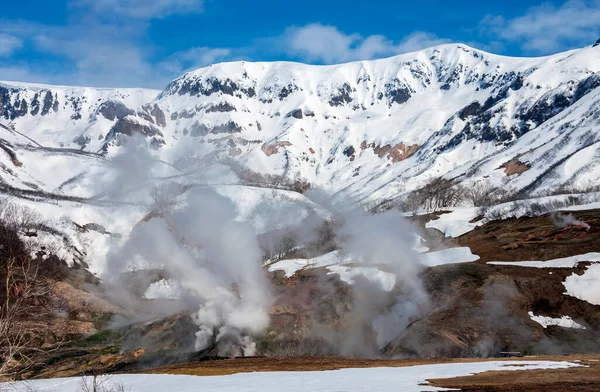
<point>221,108</point>
<point>396,153</point>
<point>597,43</point>
<point>273,148</point>
<point>514,166</point>
<point>228,127</point>
<point>114,110</point>
<point>342,96</point>
<point>297,114</point>
<point>209,87</point>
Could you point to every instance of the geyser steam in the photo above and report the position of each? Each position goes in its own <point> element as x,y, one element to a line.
<point>215,260</point>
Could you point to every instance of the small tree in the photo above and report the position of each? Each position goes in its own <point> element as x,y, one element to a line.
<point>22,298</point>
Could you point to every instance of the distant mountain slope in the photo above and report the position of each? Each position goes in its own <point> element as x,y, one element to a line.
<point>366,131</point>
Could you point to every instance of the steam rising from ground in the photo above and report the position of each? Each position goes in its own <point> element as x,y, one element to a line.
<point>562,220</point>
<point>382,241</point>
<point>215,261</point>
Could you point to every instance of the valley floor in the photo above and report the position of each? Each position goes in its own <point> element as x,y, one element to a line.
<point>544,373</point>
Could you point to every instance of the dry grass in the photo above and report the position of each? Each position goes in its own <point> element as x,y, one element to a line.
<point>580,379</point>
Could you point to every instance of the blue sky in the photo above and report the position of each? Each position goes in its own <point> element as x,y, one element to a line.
<point>146,43</point>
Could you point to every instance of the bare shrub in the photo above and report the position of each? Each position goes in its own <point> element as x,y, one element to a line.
<point>20,218</point>
<point>101,383</point>
<point>437,194</point>
<point>23,300</point>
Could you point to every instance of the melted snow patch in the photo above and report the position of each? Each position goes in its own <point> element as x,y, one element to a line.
<point>448,256</point>
<point>408,379</point>
<point>292,266</point>
<point>383,280</point>
<point>163,289</point>
<point>564,321</point>
<point>418,244</point>
<point>567,262</point>
<point>586,287</point>
<point>456,223</point>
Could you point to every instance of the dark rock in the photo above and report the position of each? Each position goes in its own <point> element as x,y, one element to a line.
<point>48,103</point>
<point>35,105</point>
<point>287,91</point>
<point>207,87</point>
<point>342,96</point>
<point>597,43</point>
<point>472,109</point>
<point>228,127</point>
<point>159,115</point>
<point>129,127</point>
<point>114,110</point>
<point>221,108</point>
<point>349,151</point>
<point>396,92</point>
<point>145,115</point>
<point>297,113</point>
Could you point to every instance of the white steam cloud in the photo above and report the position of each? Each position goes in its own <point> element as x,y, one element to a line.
<point>214,259</point>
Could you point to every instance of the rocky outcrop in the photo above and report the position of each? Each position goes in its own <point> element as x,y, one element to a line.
<point>114,110</point>
<point>222,107</point>
<point>514,166</point>
<point>296,113</point>
<point>273,148</point>
<point>396,153</point>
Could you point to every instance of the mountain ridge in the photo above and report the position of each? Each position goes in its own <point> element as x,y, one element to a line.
<point>367,131</point>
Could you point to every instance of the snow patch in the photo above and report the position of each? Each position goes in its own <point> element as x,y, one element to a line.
<point>567,262</point>
<point>564,321</point>
<point>407,379</point>
<point>448,256</point>
<point>456,223</point>
<point>292,266</point>
<point>586,287</point>
<point>383,280</point>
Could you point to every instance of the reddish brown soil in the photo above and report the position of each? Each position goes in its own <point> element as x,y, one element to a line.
<point>534,238</point>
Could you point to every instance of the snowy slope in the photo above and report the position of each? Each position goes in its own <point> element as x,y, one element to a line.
<point>366,132</point>
<point>371,130</point>
<point>73,117</point>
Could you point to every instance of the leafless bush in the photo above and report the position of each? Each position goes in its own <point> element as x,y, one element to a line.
<point>20,218</point>
<point>99,383</point>
<point>484,194</point>
<point>252,178</point>
<point>23,299</point>
<point>437,194</point>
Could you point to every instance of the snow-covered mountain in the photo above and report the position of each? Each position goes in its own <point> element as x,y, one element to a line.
<point>366,131</point>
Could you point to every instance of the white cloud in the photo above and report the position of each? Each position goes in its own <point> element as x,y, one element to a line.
<point>317,42</point>
<point>8,44</point>
<point>548,28</point>
<point>193,58</point>
<point>84,54</point>
<point>143,9</point>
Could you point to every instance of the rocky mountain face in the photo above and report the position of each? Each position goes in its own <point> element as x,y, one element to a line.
<point>68,116</point>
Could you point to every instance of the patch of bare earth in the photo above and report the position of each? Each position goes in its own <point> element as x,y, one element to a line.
<point>578,379</point>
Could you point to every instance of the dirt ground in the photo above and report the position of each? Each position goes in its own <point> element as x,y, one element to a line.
<point>585,378</point>
<point>536,238</point>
